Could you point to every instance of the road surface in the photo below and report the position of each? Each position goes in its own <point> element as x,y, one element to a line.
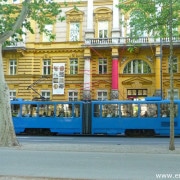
<point>87,158</point>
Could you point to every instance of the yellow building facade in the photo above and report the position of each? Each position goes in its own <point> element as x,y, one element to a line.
<point>89,59</point>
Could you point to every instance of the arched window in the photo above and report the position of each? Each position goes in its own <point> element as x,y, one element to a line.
<point>137,67</point>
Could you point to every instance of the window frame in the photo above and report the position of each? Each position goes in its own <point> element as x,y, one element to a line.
<point>73,97</point>
<point>137,94</point>
<point>102,66</point>
<point>74,16</point>
<point>46,69</point>
<point>103,28</point>
<point>73,63</point>
<point>132,67</point>
<point>102,97</point>
<point>75,37</point>
<point>49,29</point>
<point>176,93</point>
<point>13,66</point>
<point>12,96</point>
<point>46,96</point>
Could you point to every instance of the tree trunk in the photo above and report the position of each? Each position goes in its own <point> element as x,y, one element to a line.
<point>7,133</point>
<point>171,143</point>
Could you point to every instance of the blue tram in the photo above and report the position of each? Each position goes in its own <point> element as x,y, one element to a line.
<point>46,117</point>
<point>132,118</point>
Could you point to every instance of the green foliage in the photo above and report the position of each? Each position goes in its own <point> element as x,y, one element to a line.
<point>151,17</point>
<point>41,11</point>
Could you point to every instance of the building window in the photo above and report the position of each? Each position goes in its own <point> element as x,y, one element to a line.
<point>12,94</point>
<point>102,66</point>
<point>73,95</point>
<point>137,67</point>
<point>46,67</point>
<point>136,94</point>
<point>74,20</point>
<point>176,94</point>
<point>12,67</point>
<point>45,94</point>
<point>74,31</point>
<point>103,29</point>
<point>49,30</point>
<point>102,95</point>
<point>103,22</point>
<point>175,65</point>
<point>74,66</point>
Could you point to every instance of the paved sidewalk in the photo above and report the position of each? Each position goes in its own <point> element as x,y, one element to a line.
<point>77,162</point>
<point>34,178</point>
<point>162,149</point>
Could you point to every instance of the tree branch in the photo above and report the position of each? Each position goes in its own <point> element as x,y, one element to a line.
<point>18,23</point>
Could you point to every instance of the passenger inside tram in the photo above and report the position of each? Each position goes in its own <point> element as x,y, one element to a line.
<point>109,114</point>
<point>164,114</point>
<point>145,114</point>
<point>52,113</point>
<point>61,114</point>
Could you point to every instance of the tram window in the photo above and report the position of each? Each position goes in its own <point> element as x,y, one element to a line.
<point>46,110</point>
<point>129,110</point>
<point>60,110</point>
<point>96,110</point>
<point>104,110</point>
<point>64,110</point>
<point>15,110</point>
<point>165,110</point>
<point>77,110</point>
<point>29,110</point>
<point>148,110</point>
<point>143,110</point>
<point>110,110</point>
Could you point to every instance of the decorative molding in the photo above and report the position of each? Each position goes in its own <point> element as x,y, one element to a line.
<point>73,55</point>
<point>74,16</point>
<point>86,95</point>
<point>137,82</point>
<point>53,50</point>
<point>123,59</point>
<point>21,52</point>
<point>114,95</point>
<point>46,56</point>
<point>102,14</point>
<point>150,58</point>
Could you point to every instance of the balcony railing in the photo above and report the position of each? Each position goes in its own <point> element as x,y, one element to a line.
<point>127,40</point>
<point>16,45</point>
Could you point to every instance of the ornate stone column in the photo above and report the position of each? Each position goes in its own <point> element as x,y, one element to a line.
<point>158,73</point>
<point>115,29</point>
<point>87,75</point>
<point>89,33</point>
<point>115,74</point>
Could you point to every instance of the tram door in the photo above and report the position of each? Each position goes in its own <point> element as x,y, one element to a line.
<point>86,116</point>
